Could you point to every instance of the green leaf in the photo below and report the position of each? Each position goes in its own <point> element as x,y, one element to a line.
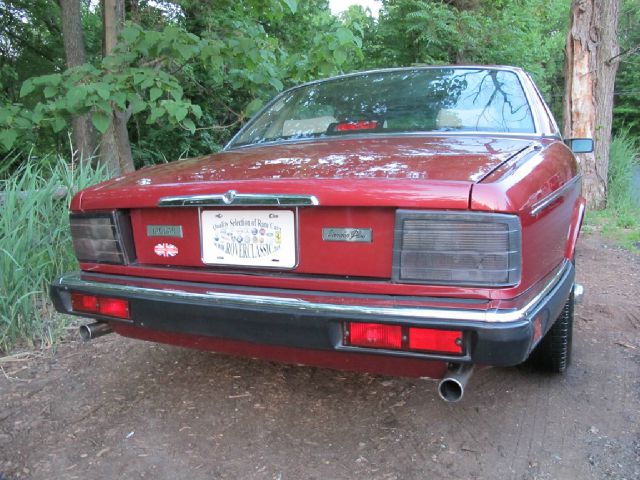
<point>156,113</point>
<point>105,106</point>
<point>154,94</point>
<point>75,95</point>
<point>344,35</point>
<point>58,124</point>
<point>50,91</point>
<point>27,88</point>
<point>8,138</point>
<point>5,115</point>
<point>197,111</point>
<point>120,100</point>
<point>186,51</point>
<point>147,83</point>
<point>339,56</point>
<point>276,83</point>
<point>100,120</point>
<point>137,104</point>
<point>189,125</point>
<point>253,106</point>
<point>139,77</point>
<point>292,4</point>
<point>129,34</point>
<point>23,123</point>
<point>181,112</point>
<point>177,93</point>
<point>103,90</point>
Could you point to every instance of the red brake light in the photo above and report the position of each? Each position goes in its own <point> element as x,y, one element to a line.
<point>114,307</point>
<point>375,335</point>
<point>110,307</point>
<point>359,125</point>
<point>81,302</point>
<point>447,341</point>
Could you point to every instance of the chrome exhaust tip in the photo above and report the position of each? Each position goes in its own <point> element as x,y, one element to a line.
<point>451,387</point>
<point>94,330</point>
<point>578,292</point>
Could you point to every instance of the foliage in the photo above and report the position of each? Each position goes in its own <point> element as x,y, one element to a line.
<point>166,75</point>
<point>525,33</point>
<point>627,100</point>
<point>621,219</point>
<point>35,244</point>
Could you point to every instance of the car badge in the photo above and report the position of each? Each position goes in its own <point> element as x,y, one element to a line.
<point>229,197</point>
<point>165,250</point>
<point>363,235</point>
<point>164,231</point>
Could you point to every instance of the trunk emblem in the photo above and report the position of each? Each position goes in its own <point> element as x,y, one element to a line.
<point>229,197</point>
<point>165,250</point>
<point>363,235</point>
<point>164,231</point>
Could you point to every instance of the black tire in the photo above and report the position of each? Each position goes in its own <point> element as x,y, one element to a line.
<point>553,353</point>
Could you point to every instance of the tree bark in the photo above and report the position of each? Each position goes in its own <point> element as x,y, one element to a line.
<point>590,72</point>
<point>115,149</point>
<point>83,133</point>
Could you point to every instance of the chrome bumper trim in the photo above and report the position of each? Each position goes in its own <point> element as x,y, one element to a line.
<point>73,281</point>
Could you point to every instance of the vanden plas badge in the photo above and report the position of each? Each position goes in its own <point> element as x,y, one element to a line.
<point>164,231</point>
<point>347,235</point>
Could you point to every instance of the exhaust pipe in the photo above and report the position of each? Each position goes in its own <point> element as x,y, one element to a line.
<point>94,330</point>
<point>451,387</point>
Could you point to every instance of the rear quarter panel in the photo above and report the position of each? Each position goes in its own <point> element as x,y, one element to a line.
<point>528,184</point>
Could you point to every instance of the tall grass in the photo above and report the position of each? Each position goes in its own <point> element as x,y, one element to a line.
<point>35,245</point>
<point>621,219</point>
<point>623,157</point>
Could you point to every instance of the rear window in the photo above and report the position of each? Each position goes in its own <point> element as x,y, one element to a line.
<point>420,100</point>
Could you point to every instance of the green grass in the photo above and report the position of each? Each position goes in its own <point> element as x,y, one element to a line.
<point>620,221</point>
<point>35,246</point>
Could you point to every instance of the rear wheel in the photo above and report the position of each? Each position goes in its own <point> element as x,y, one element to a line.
<point>553,353</point>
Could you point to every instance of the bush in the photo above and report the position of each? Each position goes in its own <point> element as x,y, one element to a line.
<point>35,245</point>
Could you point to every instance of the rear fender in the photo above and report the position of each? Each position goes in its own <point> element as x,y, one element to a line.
<point>574,229</point>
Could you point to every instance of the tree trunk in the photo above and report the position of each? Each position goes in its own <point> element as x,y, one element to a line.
<point>590,72</point>
<point>84,135</point>
<point>115,149</point>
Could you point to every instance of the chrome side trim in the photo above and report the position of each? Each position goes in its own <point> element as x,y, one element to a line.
<point>234,199</point>
<point>73,281</point>
<point>553,196</point>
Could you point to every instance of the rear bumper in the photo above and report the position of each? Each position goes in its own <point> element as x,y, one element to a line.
<point>315,320</point>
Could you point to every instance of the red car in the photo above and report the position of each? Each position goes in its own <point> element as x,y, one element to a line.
<point>413,221</point>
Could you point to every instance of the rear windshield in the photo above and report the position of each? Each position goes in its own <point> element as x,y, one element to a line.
<point>420,100</point>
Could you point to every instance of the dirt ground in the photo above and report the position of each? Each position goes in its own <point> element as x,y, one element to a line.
<point>118,408</point>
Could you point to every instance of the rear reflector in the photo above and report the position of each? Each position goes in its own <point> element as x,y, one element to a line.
<point>110,307</point>
<point>448,341</point>
<point>375,335</point>
<point>399,337</point>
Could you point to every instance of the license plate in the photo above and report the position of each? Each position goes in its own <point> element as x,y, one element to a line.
<point>252,238</point>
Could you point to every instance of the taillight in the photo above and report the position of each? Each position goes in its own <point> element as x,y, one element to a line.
<point>102,237</point>
<point>401,337</point>
<point>457,248</point>
<point>375,335</point>
<point>432,340</point>
<point>107,306</point>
